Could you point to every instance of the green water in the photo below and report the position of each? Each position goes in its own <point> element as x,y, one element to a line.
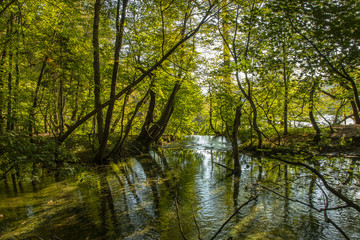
<point>136,198</point>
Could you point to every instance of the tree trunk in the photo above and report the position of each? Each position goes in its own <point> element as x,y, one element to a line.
<point>341,73</point>
<point>61,102</point>
<point>96,65</point>
<point>316,138</point>
<point>9,123</point>
<point>356,98</point>
<point>150,134</point>
<point>119,145</point>
<point>2,71</point>
<point>210,114</point>
<point>144,135</point>
<point>286,92</point>
<point>355,111</point>
<point>16,90</point>
<point>36,96</point>
<point>248,94</point>
<point>234,141</point>
<point>118,45</point>
<point>32,119</point>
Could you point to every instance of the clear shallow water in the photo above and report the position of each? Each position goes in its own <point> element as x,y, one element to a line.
<point>135,199</point>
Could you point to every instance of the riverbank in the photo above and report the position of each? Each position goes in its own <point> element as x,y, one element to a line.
<point>342,141</point>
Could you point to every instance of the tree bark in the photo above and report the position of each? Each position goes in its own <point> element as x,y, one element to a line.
<point>2,71</point>
<point>210,114</point>
<point>118,44</point>
<point>7,6</point>
<point>144,133</point>
<point>316,138</point>
<point>286,91</point>
<point>16,90</point>
<point>120,144</point>
<point>36,95</point>
<point>355,111</point>
<point>234,141</point>
<point>9,123</point>
<point>150,134</point>
<point>96,66</point>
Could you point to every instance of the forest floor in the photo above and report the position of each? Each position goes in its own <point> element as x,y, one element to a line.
<point>344,140</point>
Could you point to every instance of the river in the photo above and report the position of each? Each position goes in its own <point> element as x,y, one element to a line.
<point>146,197</point>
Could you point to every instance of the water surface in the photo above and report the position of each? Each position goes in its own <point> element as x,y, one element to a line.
<point>136,198</point>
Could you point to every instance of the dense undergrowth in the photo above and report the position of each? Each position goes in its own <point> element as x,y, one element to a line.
<point>19,152</point>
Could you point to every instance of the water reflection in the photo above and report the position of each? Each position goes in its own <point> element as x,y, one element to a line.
<point>135,199</point>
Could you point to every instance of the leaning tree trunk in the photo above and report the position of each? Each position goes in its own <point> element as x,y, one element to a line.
<point>355,111</point>
<point>151,132</point>
<point>118,149</point>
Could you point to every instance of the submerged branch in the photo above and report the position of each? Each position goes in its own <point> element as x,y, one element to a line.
<point>337,193</point>
<point>290,199</point>
<point>221,165</point>
<point>178,217</point>
<point>197,225</point>
<point>327,219</point>
<point>228,220</point>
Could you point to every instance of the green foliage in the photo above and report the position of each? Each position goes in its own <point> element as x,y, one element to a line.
<point>18,151</point>
<point>263,57</point>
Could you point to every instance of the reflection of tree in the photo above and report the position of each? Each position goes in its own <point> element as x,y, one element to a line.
<point>153,173</point>
<point>236,189</point>
<point>107,208</point>
<point>350,172</point>
<point>323,183</point>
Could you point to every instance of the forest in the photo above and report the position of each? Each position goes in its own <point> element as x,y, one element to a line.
<point>261,95</point>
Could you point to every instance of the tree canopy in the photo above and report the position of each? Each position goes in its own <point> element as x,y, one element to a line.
<point>134,71</point>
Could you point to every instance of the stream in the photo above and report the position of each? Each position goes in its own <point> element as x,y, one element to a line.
<point>146,197</point>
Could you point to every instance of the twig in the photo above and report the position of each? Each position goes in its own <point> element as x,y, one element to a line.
<point>39,238</point>
<point>337,193</point>
<point>237,210</point>
<point>308,205</point>
<point>224,166</point>
<point>178,216</point>
<point>8,5</point>
<point>6,172</point>
<point>327,219</point>
<point>197,226</point>
<point>287,198</point>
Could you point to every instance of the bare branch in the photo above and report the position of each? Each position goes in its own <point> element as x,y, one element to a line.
<point>197,226</point>
<point>228,220</point>
<point>337,193</point>
<point>327,219</point>
<point>8,5</point>
<point>178,216</point>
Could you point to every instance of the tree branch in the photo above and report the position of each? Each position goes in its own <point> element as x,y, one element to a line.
<point>323,180</point>
<point>228,220</point>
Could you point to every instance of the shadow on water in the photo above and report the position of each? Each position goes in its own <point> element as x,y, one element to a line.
<point>135,198</point>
